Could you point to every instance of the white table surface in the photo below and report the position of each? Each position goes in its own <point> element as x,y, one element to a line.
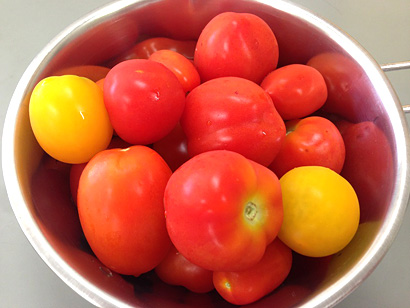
<point>381,26</point>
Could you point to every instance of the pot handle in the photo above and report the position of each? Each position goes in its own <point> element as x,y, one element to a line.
<point>396,67</point>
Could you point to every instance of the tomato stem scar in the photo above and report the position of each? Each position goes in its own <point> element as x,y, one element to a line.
<point>251,211</point>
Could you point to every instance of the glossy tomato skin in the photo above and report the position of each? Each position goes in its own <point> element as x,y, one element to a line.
<point>144,100</point>
<point>222,210</point>
<point>77,169</point>
<point>120,205</point>
<point>312,141</point>
<point>247,286</point>
<point>175,269</point>
<point>69,119</point>
<point>231,113</point>
<point>320,211</point>
<point>145,48</point>
<point>183,68</point>
<point>296,90</point>
<point>173,148</point>
<point>236,44</point>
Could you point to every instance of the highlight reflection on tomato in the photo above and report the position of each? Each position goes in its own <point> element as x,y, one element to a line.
<point>69,119</point>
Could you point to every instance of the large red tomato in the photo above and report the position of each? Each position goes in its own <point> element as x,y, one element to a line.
<point>247,286</point>
<point>120,204</point>
<point>222,210</point>
<point>236,44</point>
<point>144,100</point>
<point>231,113</point>
<point>176,270</point>
<point>296,90</point>
<point>310,141</point>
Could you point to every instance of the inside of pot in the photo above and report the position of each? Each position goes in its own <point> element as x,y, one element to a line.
<point>354,103</point>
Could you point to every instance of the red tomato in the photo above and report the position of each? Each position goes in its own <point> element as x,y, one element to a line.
<point>232,113</point>
<point>236,44</point>
<point>144,100</point>
<point>183,68</point>
<point>176,270</point>
<point>312,141</point>
<point>145,48</point>
<point>77,169</point>
<point>296,90</point>
<point>245,287</point>
<point>222,210</point>
<point>121,210</point>
<point>173,148</point>
<point>369,167</point>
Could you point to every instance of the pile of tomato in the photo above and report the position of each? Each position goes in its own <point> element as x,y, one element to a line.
<point>203,160</point>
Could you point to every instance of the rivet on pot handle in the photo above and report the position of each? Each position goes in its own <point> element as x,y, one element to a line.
<point>396,67</point>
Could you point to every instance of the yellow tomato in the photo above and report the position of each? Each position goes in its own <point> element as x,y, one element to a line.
<point>321,211</point>
<point>69,119</point>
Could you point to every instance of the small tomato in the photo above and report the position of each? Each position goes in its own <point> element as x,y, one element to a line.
<point>69,119</point>
<point>247,286</point>
<point>176,270</point>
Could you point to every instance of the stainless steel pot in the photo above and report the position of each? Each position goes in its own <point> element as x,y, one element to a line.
<point>51,226</point>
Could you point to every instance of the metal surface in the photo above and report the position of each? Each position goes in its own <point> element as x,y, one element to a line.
<point>83,273</point>
<point>395,66</point>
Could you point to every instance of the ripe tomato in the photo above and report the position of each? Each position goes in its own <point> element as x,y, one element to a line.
<point>247,286</point>
<point>77,169</point>
<point>173,148</point>
<point>183,68</point>
<point>144,100</point>
<point>236,44</point>
<point>145,48</point>
<point>176,270</point>
<point>222,210</point>
<point>320,211</point>
<point>68,118</point>
<point>231,113</point>
<point>296,90</point>
<point>368,167</point>
<point>121,210</point>
<point>310,141</point>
